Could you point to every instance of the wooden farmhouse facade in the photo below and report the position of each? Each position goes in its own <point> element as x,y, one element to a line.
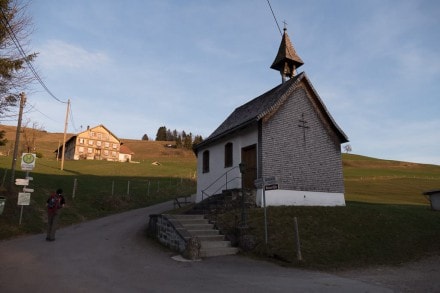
<point>96,143</point>
<point>286,134</point>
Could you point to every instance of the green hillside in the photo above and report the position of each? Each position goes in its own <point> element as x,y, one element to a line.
<point>387,220</point>
<point>384,181</point>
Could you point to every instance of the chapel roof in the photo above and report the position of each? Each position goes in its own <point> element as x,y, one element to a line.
<point>261,106</point>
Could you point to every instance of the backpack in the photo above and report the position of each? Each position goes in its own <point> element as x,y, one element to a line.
<point>54,203</point>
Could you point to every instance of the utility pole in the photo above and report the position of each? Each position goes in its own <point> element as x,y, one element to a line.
<point>65,132</point>
<point>17,138</point>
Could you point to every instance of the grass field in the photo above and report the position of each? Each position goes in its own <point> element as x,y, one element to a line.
<point>387,220</point>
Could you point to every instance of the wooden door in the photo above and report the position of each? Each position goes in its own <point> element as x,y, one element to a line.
<point>249,158</point>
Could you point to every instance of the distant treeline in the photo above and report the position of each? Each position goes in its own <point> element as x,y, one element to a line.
<point>182,139</point>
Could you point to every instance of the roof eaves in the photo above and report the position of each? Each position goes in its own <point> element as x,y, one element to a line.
<point>343,136</point>
<point>210,140</point>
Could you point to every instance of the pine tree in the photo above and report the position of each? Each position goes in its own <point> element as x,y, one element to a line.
<point>14,75</point>
<point>187,141</point>
<point>145,137</point>
<point>161,134</point>
<point>197,139</point>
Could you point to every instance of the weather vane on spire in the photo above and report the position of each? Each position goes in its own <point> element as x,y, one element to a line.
<point>285,25</point>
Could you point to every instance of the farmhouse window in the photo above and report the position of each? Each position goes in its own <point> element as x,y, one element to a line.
<point>205,161</point>
<point>98,143</point>
<point>99,135</point>
<point>114,154</point>
<point>90,142</point>
<point>115,146</point>
<point>105,152</point>
<point>228,155</point>
<point>89,150</point>
<point>81,149</point>
<point>81,140</point>
<point>92,134</point>
<point>107,144</point>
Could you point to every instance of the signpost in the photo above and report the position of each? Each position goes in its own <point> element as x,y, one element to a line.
<point>24,198</point>
<point>268,183</point>
<point>28,161</point>
<point>21,182</point>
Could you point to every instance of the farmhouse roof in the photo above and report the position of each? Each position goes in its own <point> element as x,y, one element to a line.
<point>266,104</point>
<point>125,150</point>
<point>100,125</point>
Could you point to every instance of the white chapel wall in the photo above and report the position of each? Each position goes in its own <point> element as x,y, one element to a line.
<point>299,198</point>
<point>217,164</point>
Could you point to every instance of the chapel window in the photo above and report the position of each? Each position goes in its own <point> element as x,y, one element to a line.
<point>205,162</point>
<point>228,155</point>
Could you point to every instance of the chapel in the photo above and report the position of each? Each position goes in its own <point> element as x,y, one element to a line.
<point>284,139</point>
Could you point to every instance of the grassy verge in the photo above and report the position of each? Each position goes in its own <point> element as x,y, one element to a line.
<point>102,188</point>
<point>358,235</point>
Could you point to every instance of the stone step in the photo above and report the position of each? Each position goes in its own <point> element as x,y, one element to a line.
<point>217,237</point>
<point>218,251</point>
<point>188,217</point>
<point>192,221</point>
<point>204,232</point>
<point>215,244</point>
<point>197,226</point>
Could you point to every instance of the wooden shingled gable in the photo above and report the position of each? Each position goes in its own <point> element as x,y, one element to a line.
<point>265,105</point>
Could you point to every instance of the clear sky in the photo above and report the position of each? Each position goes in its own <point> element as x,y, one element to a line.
<point>136,65</point>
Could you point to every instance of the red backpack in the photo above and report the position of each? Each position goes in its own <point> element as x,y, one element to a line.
<point>54,203</point>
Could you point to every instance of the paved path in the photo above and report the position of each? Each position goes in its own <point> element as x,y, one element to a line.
<point>112,254</point>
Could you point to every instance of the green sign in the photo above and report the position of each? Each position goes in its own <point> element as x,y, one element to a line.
<point>28,161</point>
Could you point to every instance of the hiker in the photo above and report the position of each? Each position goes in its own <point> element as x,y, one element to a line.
<point>54,203</point>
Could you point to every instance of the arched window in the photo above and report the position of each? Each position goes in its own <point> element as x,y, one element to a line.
<point>205,162</point>
<point>228,155</point>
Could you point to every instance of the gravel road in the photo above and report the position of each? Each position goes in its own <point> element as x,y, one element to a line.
<point>112,254</point>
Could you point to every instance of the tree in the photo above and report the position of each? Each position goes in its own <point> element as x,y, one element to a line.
<point>197,139</point>
<point>161,134</point>
<point>347,148</point>
<point>3,140</point>
<point>187,141</point>
<point>178,141</point>
<point>14,71</point>
<point>30,135</point>
<point>145,137</point>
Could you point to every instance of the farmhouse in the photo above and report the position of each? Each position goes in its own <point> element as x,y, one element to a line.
<point>286,134</point>
<point>96,143</point>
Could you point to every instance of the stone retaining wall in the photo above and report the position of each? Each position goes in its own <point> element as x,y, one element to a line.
<point>168,231</point>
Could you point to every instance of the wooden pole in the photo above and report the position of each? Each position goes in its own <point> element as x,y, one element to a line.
<point>298,245</point>
<point>65,132</point>
<point>17,138</point>
<point>75,182</point>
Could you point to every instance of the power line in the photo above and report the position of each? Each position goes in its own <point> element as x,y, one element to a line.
<point>47,116</point>
<point>276,21</point>
<point>71,119</point>
<point>8,27</point>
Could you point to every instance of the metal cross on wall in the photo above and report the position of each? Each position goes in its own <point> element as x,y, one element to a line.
<point>303,125</point>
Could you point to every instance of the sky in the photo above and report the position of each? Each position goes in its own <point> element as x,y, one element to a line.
<point>136,65</point>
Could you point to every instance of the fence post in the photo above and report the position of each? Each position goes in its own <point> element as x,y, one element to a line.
<point>298,246</point>
<point>4,177</point>
<point>128,188</point>
<point>75,181</point>
<point>113,187</point>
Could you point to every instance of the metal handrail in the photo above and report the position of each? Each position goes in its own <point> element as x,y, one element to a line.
<point>216,180</point>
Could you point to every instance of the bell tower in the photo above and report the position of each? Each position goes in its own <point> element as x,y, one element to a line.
<point>287,60</point>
